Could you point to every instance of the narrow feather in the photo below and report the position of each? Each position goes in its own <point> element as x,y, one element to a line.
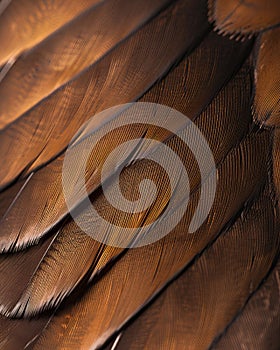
<point>42,194</point>
<point>257,327</point>
<point>70,51</point>
<point>207,296</point>
<point>142,272</point>
<point>267,79</point>
<point>24,24</point>
<point>245,17</point>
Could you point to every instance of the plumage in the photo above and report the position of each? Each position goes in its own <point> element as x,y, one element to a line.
<point>45,131</point>
<point>127,287</point>
<point>73,278</point>
<point>80,254</point>
<point>42,192</point>
<point>191,312</point>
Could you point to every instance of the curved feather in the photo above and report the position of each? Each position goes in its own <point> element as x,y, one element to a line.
<point>244,17</point>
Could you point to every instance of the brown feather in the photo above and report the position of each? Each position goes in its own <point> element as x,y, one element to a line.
<point>72,253</point>
<point>267,79</point>
<point>40,199</point>
<point>244,17</point>
<point>24,24</point>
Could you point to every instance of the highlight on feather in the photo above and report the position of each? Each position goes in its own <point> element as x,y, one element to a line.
<point>242,18</point>
<point>24,24</point>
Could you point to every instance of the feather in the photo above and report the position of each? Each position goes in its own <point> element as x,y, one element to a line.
<point>257,326</point>
<point>46,130</point>
<point>197,306</point>
<point>26,23</point>
<point>42,193</point>
<point>142,272</point>
<point>68,52</point>
<point>72,253</point>
<point>244,17</point>
<point>267,79</point>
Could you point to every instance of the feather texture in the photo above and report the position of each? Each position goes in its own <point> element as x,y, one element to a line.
<point>61,62</point>
<point>42,193</point>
